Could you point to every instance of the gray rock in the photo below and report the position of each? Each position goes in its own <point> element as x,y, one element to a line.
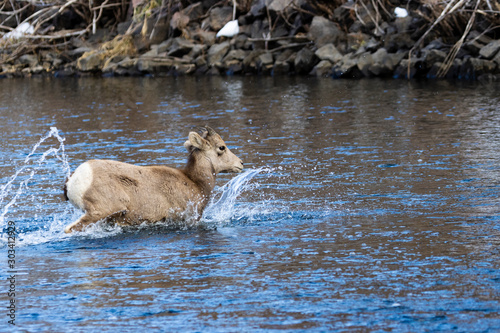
<point>279,6</point>
<point>219,16</point>
<point>179,21</point>
<point>435,68</point>
<point>217,52</point>
<point>496,59</point>
<point>258,8</point>
<point>154,65</point>
<point>396,42</point>
<point>403,24</point>
<point>123,27</point>
<point>403,72</point>
<point>329,52</point>
<point>153,52</point>
<point>180,47</point>
<point>322,69</point>
<point>347,68</point>
<point>250,62</point>
<point>235,55</point>
<point>265,63</point>
<point>193,11</point>
<point>323,31</point>
<point>184,69</point>
<point>28,59</point>
<point>257,29</point>
<point>281,68</point>
<point>380,63</point>
<point>356,41</point>
<point>433,56</point>
<point>304,61</point>
<point>234,67</point>
<point>205,37</point>
<point>91,61</point>
<point>489,51</point>
<point>265,59</point>
<point>159,32</point>
<point>286,56</point>
<point>472,68</point>
<point>197,50</point>
<point>364,62</point>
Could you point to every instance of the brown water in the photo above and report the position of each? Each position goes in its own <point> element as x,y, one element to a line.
<point>367,206</point>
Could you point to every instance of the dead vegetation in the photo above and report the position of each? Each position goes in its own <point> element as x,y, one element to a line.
<point>54,22</point>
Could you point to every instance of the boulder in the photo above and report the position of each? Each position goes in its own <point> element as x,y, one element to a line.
<point>194,11</point>
<point>432,56</point>
<point>472,68</point>
<point>154,65</point>
<point>91,61</point>
<point>279,6</point>
<point>30,60</point>
<point>397,42</point>
<point>433,72</point>
<point>402,72</point>
<point>179,21</point>
<point>258,8</point>
<point>197,50</point>
<point>233,67</point>
<point>347,68</point>
<point>235,55</point>
<point>357,40</point>
<point>250,63</point>
<point>180,47</point>
<point>281,68</point>
<point>304,61</point>
<point>380,63</point>
<point>329,52</point>
<point>265,61</point>
<point>323,31</point>
<point>219,16</point>
<point>365,61</point>
<point>184,69</point>
<point>322,69</point>
<point>217,52</point>
<point>490,50</point>
<point>496,59</point>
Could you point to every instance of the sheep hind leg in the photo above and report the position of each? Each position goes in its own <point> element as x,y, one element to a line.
<point>84,221</point>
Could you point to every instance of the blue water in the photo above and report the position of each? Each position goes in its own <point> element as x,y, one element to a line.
<point>365,206</point>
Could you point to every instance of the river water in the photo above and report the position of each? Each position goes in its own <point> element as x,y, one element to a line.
<point>365,206</point>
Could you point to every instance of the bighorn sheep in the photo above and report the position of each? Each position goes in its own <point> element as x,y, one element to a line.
<point>131,194</point>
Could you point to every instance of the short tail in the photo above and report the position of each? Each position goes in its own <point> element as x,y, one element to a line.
<point>65,189</point>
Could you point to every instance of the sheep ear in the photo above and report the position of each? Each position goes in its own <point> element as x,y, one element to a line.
<point>196,141</point>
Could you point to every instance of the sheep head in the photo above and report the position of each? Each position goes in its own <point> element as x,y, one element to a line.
<point>214,149</point>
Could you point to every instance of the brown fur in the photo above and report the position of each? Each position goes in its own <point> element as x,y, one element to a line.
<point>132,194</point>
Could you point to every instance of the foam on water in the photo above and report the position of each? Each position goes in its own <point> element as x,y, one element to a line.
<point>43,223</point>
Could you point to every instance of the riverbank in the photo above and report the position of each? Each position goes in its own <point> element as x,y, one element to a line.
<point>339,39</point>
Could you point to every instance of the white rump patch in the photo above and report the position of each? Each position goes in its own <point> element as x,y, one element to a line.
<point>79,183</point>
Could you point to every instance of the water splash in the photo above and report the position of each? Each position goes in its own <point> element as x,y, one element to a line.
<point>224,208</point>
<point>17,184</point>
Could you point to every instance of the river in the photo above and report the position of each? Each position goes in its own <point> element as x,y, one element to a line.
<point>368,205</point>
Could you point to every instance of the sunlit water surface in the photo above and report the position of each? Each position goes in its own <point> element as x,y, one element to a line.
<point>365,206</point>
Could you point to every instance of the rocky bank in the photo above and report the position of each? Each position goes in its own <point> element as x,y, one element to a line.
<point>338,39</point>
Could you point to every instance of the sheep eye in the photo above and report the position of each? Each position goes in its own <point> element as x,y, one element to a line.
<point>222,148</point>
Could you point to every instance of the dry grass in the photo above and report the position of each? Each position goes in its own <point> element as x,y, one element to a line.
<point>42,15</point>
<point>451,19</point>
